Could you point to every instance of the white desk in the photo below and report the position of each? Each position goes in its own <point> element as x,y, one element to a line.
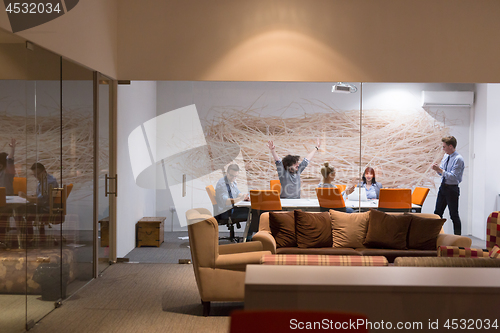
<point>313,204</point>
<point>382,293</point>
<point>14,200</point>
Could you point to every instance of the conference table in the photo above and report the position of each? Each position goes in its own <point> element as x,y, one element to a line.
<point>312,204</point>
<point>13,202</point>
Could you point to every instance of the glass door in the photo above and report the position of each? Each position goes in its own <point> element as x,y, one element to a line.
<point>106,172</point>
<point>50,148</point>
<point>77,176</point>
<point>41,219</point>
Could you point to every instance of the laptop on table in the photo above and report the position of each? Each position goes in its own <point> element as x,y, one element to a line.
<point>359,192</point>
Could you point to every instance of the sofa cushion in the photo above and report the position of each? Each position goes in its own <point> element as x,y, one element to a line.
<point>387,231</point>
<point>313,229</point>
<point>423,232</point>
<point>319,250</point>
<point>462,252</point>
<point>348,230</point>
<point>447,262</point>
<point>391,255</point>
<point>282,225</point>
<point>495,252</point>
<point>322,260</point>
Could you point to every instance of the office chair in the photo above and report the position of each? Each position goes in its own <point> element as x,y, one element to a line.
<point>394,200</point>
<point>419,195</point>
<point>275,185</point>
<point>19,184</point>
<point>330,198</point>
<point>261,201</point>
<point>224,218</point>
<point>341,187</point>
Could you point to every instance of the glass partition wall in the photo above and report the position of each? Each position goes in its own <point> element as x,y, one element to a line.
<point>386,127</point>
<point>47,217</point>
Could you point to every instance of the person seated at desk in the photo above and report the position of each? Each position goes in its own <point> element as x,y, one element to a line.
<point>41,199</point>
<point>7,173</point>
<point>7,170</point>
<point>289,170</point>
<point>370,184</point>
<point>227,194</point>
<point>39,203</point>
<point>328,173</point>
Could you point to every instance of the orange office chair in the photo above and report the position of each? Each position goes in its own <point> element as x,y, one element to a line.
<point>58,205</point>
<point>19,184</point>
<point>418,196</point>
<point>211,194</point>
<point>271,321</point>
<point>69,188</point>
<point>341,187</point>
<point>265,200</point>
<point>275,185</point>
<point>56,215</point>
<point>330,198</point>
<point>261,201</point>
<point>394,200</point>
<point>222,220</point>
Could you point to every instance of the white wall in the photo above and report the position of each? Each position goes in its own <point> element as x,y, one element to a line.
<point>486,185</point>
<point>136,104</point>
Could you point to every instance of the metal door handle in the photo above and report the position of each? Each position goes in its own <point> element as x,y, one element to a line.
<point>106,185</point>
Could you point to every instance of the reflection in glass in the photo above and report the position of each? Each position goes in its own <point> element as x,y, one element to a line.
<point>77,172</point>
<point>46,219</point>
<point>13,102</point>
<point>103,247</point>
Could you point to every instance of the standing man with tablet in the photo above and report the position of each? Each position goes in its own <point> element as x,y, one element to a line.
<point>451,170</point>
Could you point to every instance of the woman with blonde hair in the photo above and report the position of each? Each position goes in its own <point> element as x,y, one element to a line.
<point>328,173</point>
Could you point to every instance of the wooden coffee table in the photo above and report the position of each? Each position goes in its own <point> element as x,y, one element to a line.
<point>395,294</point>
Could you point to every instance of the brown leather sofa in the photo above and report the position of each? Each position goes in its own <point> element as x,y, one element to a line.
<point>265,236</point>
<point>219,269</point>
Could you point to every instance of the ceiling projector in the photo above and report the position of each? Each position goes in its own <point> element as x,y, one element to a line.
<point>344,88</point>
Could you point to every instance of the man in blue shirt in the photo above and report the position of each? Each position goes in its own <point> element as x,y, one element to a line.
<point>226,195</point>
<point>39,203</point>
<point>451,170</point>
<point>41,199</point>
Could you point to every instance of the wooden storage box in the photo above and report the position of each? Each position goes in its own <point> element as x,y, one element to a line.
<point>150,231</point>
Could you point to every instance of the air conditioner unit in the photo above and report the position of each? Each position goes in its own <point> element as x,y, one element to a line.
<point>447,98</point>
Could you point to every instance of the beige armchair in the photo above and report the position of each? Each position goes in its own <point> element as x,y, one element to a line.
<point>219,269</point>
